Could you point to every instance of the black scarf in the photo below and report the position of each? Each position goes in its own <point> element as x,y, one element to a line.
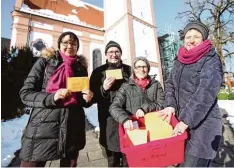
<point>116,65</point>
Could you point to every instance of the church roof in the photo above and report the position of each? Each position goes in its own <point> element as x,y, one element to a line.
<point>71,11</point>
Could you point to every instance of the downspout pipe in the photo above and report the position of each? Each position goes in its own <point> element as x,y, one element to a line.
<point>29,29</point>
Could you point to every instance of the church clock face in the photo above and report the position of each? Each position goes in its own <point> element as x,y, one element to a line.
<point>144,40</point>
<point>142,10</point>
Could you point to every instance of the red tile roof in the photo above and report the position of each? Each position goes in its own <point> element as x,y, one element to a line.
<point>88,14</point>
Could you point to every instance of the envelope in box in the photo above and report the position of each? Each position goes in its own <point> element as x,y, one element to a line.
<point>137,136</point>
<point>158,129</point>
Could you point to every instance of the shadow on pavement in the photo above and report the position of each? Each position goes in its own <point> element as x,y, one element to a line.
<point>225,154</point>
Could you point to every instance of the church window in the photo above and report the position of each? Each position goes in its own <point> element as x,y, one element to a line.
<point>97,58</point>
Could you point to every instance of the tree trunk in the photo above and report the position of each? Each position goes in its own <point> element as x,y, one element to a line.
<point>219,49</point>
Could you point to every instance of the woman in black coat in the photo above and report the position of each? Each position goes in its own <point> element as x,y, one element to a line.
<point>191,94</point>
<point>56,126</point>
<point>140,95</point>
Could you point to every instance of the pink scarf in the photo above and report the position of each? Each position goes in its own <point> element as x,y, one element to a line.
<point>142,83</point>
<point>194,54</point>
<point>59,77</point>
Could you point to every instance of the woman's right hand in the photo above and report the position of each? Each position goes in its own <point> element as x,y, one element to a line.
<point>61,94</point>
<point>128,125</point>
<point>166,113</point>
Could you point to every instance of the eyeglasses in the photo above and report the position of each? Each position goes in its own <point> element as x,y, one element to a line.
<point>139,67</point>
<point>114,52</point>
<point>65,44</point>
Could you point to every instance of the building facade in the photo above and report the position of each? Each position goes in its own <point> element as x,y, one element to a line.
<point>39,23</point>
<point>5,42</point>
<point>132,24</point>
<point>169,44</point>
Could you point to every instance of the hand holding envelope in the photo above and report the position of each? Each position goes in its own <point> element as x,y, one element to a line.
<point>77,84</point>
<point>87,95</point>
<point>111,76</point>
<point>116,73</point>
<point>108,82</point>
<point>80,84</point>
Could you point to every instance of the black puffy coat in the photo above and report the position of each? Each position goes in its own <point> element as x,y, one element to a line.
<point>192,90</point>
<point>131,97</point>
<point>53,131</point>
<point>104,99</point>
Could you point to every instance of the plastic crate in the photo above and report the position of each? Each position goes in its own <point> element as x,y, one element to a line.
<point>156,153</point>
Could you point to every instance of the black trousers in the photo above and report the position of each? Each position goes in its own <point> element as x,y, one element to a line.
<point>65,162</point>
<point>115,159</point>
<point>192,161</point>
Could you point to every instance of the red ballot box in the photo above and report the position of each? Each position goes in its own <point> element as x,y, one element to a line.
<point>164,152</point>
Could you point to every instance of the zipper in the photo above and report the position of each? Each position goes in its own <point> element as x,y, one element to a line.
<point>33,138</point>
<point>65,137</point>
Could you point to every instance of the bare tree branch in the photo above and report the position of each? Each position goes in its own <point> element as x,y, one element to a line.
<point>219,17</point>
<point>229,54</point>
<point>227,40</point>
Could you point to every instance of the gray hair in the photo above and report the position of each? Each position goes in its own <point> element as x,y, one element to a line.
<point>140,59</point>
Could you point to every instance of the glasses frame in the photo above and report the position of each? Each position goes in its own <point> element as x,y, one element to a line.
<point>66,43</point>
<point>141,67</point>
<point>114,52</point>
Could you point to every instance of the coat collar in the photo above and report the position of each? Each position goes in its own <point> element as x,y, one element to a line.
<point>152,80</point>
<point>54,57</point>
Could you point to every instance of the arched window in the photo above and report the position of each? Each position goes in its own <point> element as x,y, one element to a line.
<point>97,58</point>
<point>37,47</point>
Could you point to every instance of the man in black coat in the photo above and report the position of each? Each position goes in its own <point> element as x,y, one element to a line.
<point>104,89</point>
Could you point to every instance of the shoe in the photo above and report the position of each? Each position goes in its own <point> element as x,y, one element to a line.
<point>97,132</point>
<point>97,129</point>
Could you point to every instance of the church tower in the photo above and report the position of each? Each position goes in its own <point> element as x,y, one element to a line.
<point>131,23</point>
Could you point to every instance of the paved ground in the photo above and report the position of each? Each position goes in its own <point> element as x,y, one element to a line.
<point>225,155</point>
<point>91,155</point>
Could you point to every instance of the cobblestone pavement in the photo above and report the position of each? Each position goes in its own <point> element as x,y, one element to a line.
<point>225,155</point>
<point>91,155</point>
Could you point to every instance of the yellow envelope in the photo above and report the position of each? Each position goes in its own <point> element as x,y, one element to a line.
<point>117,73</point>
<point>137,136</point>
<point>77,84</point>
<point>158,129</point>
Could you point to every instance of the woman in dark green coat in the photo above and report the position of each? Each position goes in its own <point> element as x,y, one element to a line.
<point>140,95</point>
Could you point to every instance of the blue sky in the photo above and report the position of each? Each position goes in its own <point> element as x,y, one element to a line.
<point>165,13</point>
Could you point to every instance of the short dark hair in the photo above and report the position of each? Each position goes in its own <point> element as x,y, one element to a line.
<point>72,36</point>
